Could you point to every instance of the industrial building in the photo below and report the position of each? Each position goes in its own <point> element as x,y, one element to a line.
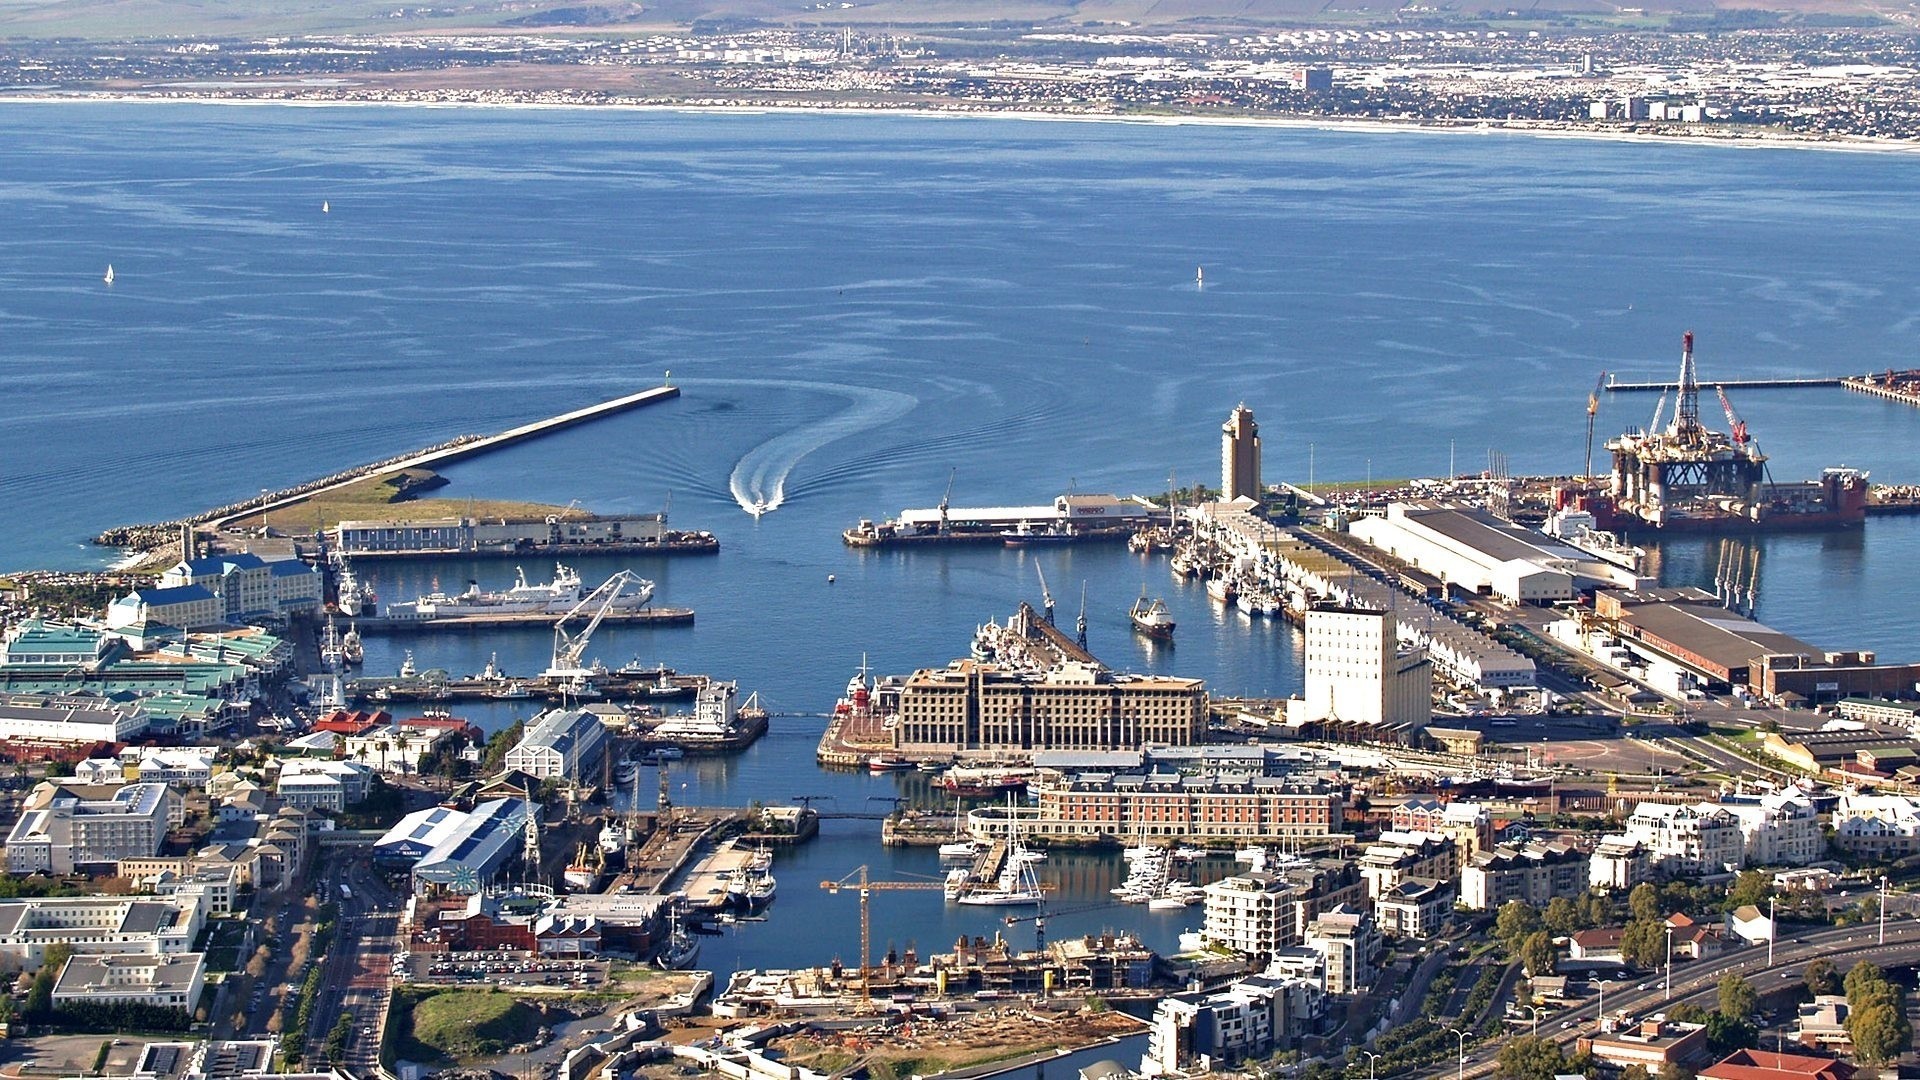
<point>1240,457</point>
<point>1358,673</point>
<point>560,744</point>
<point>452,850</point>
<point>1475,551</point>
<point>457,535</point>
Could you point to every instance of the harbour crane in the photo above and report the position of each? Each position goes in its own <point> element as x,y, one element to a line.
<point>1593,408</point>
<point>946,499</point>
<point>1080,625</point>
<point>568,648</point>
<point>858,877</point>
<point>807,801</point>
<point>1735,426</point>
<point>1046,595</point>
<point>1659,409</point>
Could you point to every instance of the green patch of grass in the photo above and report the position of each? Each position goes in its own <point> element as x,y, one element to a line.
<point>391,497</point>
<point>462,1025</point>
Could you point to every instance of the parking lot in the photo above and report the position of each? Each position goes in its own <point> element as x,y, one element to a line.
<point>501,969</point>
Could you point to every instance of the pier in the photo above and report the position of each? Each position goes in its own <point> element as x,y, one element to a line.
<point>706,884</point>
<point>457,451</point>
<point>666,616</point>
<point>1730,384</point>
<point>1900,386</point>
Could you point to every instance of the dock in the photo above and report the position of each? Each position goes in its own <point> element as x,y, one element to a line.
<point>706,884</point>
<point>1730,384</point>
<point>667,851</point>
<point>664,616</point>
<point>1900,386</point>
<point>612,687</point>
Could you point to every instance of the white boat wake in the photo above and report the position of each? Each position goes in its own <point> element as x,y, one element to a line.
<point>759,480</point>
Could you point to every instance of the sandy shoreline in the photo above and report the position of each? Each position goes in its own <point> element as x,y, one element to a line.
<point>1744,140</point>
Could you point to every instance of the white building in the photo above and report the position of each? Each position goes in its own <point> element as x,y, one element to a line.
<point>185,767</point>
<point>1415,908</point>
<point>559,744</point>
<point>249,587</point>
<point>1196,1032</point>
<point>98,924</point>
<point>1346,941</point>
<point>1534,875</point>
<point>173,981</point>
<point>1470,824</point>
<point>1779,829</point>
<point>1877,825</point>
<point>97,771</point>
<point>323,785</point>
<point>1688,841</point>
<point>1250,913</point>
<point>65,831</point>
<point>185,607</point>
<point>1399,856</point>
<point>69,720</point>
<point>1357,672</point>
<point>1618,863</point>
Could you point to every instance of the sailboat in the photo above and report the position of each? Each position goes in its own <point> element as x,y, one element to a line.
<point>109,276</point>
<point>325,208</point>
<point>1199,277</point>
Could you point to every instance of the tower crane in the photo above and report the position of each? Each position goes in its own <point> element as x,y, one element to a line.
<point>568,648</point>
<point>858,877</point>
<point>1080,624</point>
<point>1039,919</point>
<point>1735,426</point>
<point>1593,407</point>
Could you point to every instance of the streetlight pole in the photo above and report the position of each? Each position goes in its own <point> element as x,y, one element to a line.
<point>1883,909</point>
<point>1534,1011</point>
<point>1668,992</point>
<point>1773,928</point>
<point>1371,1058</point>
<point>1461,1072</point>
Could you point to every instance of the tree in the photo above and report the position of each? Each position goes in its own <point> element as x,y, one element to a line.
<point>1596,909</point>
<point>1688,1013</point>
<point>1516,920</point>
<point>1726,1034</point>
<point>1822,978</point>
<point>1879,1033</point>
<point>1644,902</point>
<point>1635,1072</point>
<point>1737,997</point>
<point>1864,983</point>
<point>1644,943</point>
<point>1537,953</point>
<point>1673,1070</point>
<point>1562,916</point>
<point>1751,887</point>
<point>1530,1058</point>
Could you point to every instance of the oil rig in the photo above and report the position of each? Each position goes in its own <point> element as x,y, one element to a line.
<point>1687,477</point>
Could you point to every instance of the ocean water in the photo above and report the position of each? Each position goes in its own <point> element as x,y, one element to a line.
<point>860,306</point>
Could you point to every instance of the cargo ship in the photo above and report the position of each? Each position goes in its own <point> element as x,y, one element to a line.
<point>556,597</point>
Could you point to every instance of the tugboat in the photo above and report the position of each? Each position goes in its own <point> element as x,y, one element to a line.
<point>352,650</point>
<point>1151,618</point>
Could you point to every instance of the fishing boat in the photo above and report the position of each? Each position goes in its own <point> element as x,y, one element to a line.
<point>881,764</point>
<point>681,949</point>
<point>584,873</point>
<point>352,649</point>
<point>754,887</point>
<point>1220,589</point>
<point>513,691</point>
<point>556,597</point>
<point>1152,619</point>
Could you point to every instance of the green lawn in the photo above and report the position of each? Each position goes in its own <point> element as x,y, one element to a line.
<point>462,1025</point>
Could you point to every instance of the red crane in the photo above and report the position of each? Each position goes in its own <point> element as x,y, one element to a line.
<point>1737,426</point>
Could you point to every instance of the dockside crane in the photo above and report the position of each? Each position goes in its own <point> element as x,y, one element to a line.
<point>946,499</point>
<point>1593,409</point>
<point>569,648</point>
<point>1046,594</point>
<point>858,878</point>
<point>1736,427</point>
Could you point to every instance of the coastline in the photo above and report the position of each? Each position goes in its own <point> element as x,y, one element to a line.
<point>1693,136</point>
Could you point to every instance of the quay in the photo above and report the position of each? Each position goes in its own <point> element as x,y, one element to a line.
<point>670,543</point>
<point>665,616</point>
<point>1729,384</point>
<point>706,884</point>
<point>670,847</point>
<point>1900,386</point>
<point>504,688</point>
<point>915,828</point>
<point>457,451</point>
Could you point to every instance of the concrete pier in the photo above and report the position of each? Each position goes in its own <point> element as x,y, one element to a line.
<point>1728,384</point>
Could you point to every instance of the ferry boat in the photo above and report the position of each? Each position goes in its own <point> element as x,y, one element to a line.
<point>1152,619</point>
<point>556,597</point>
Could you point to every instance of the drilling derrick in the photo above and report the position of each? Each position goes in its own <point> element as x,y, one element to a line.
<point>1686,470</point>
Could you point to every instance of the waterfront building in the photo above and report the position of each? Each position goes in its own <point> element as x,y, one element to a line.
<point>1398,856</point>
<point>1533,874</point>
<point>560,744</point>
<point>713,719</point>
<point>1240,456</point>
<point>62,720</point>
<point>1618,863</point>
<point>1687,841</point>
<point>181,607</point>
<point>1196,1033</point>
<point>1359,674</point>
<point>1346,941</point>
<point>1469,824</point>
<point>60,831</point>
<point>172,981</point>
<point>1073,705</point>
<point>459,535</point>
<point>1474,551</point>
<point>1110,806</point>
<point>98,924</point>
<point>1261,914</point>
<point>455,851</point>
<point>247,587</point>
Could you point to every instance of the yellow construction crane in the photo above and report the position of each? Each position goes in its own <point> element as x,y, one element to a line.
<point>867,886</point>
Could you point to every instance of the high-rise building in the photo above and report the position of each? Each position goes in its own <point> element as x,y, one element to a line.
<point>1240,456</point>
<point>1357,673</point>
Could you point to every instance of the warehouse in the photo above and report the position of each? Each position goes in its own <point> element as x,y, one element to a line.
<point>452,850</point>
<point>1475,551</point>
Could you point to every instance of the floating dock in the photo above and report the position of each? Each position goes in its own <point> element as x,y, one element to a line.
<point>664,616</point>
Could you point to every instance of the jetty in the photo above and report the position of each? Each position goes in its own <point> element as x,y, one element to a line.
<point>1614,386</point>
<point>1900,386</point>
<point>649,616</point>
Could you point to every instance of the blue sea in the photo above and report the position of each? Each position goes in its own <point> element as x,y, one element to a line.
<point>858,307</point>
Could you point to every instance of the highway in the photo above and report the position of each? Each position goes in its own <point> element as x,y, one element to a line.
<point>1698,981</point>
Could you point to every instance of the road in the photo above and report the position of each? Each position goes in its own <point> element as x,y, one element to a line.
<point>1699,980</point>
<point>358,966</point>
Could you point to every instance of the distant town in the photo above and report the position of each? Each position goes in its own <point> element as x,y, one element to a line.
<point>1805,82</point>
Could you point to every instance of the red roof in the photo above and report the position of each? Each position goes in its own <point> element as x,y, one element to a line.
<point>1767,1065</point>
<point>354,722</point>
<point>1601,938</point>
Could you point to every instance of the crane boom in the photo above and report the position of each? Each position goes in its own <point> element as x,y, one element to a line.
<point>1046,595</point>
<point>568,648</point>
<point>1659,409</point>
<point>947,498</point>
<point>858,878</point>
<point>1735,426</point>
<point>1593,408</point>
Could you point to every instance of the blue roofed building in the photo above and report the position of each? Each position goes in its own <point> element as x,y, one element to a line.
<point>249,587</point>
<point>185,607</point>
<point>455,851</point>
